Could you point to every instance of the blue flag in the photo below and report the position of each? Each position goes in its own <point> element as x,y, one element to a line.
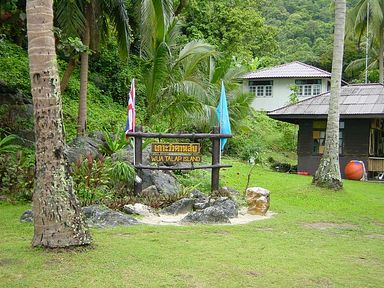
<point>223,116</point>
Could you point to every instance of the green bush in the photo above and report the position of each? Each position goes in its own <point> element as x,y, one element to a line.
<point>98,104</point>
<point>91,179</point>
<point>261,135</point>
<point>16,171</point>
<point>14,66</point>
<point>113,143</point>
<point>102,180</point>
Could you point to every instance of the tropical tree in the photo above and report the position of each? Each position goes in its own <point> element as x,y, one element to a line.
<point>373,11</point>
<point>236,28</point>
<point>57,215</point>
<point>92,20</point>
<point>328,173</point>
<point>182,82</point>
<point>356,68</point>
<point>171,78</point>
<point>239,102</point>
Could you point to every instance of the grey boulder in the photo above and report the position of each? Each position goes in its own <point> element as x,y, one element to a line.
<point>181,206</point>
<point>96,216</point>
<point>206,216</point>
<point>196,194</point>
<point>103,217</point>
<point>124,155</point>
<point>139,209</point>
<point>27,216</point>
<point>165,183</point>
<point>150,191</point>
<point>229,207</point>
<point>80,148</point>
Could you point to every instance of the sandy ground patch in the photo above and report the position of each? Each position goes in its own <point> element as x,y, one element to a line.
<point>330,225</point>
<point>243,218</point>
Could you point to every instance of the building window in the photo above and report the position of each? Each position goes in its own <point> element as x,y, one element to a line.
<point>376,138</point>
<point>261,88</point>
<point>318,136</point>
<point>308,87</point>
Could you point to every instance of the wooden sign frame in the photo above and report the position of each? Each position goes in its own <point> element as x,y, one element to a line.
<point>215,137</point>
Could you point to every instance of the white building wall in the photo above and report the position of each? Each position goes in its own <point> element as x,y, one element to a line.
<point>280,93</point>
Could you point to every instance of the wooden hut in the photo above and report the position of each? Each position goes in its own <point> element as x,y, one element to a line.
<point>361,127</point>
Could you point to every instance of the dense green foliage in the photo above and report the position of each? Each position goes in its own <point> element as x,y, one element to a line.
<point>236,28</point>
<point>98,104</point>
<point>100,180</point>
<point>14,66</point>
<point>16,169</point>
<point>260,136</point>
<point>265,33</point>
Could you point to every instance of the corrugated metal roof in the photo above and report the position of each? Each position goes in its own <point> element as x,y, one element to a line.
<point>360,101</point>
<point>294,69</point>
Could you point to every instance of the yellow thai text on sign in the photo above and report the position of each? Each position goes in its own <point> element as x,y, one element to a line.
<point>176,148</point>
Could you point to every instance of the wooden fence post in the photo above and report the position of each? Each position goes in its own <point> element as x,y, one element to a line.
<point>138,186</point>
<point>215,160</point>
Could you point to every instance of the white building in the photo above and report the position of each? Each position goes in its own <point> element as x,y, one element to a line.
<point>272,86</point>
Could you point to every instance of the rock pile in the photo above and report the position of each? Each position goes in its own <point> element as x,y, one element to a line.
<point>203,209</point>
<point>96,216</point>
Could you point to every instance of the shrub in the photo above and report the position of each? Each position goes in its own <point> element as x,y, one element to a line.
<point>113,143</point>
<point>261,135</point>
<point>14,66</point>
<point>16,169</point>
<point>101,180</point>
<point>91,179</point>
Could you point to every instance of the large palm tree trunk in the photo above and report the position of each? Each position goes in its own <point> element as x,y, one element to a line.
<point>328,173</point>
<point>82,119</point>
<point>57,215</point>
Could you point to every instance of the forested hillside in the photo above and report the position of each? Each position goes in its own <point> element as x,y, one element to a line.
<point>265,33</point>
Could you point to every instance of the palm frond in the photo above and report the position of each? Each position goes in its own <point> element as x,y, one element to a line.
<point>69,16</point>
<point>192,54</point>
<point>6,145</point>
<point>119,16</point>
<point>157,72</point>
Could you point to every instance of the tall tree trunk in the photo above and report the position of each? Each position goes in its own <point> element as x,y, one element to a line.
<point>57,215</point>
<point>82,118</point>
<point>381,59</point>
<point>328,173</point>
<point>67,74</point>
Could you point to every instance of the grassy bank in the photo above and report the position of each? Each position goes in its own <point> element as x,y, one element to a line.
<point>318,238</point>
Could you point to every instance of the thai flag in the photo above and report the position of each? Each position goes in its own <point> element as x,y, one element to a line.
<point>131,115</point>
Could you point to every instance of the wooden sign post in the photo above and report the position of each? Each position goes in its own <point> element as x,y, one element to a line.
<point>178,152</point>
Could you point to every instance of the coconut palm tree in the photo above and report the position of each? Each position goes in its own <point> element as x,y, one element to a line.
<point>357,18</point>
<point>57,215</point>
<point>92,20</point>
<point>182,82</point>
<point>328,173</point>
<point>171,78</point>
<point>357,67</point>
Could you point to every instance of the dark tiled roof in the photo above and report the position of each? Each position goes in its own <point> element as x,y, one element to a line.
<point>356,101</point>
<point>290,70</point>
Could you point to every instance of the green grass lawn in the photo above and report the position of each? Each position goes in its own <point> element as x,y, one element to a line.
<point>280,252</point>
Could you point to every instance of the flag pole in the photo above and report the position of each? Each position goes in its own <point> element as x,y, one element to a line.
<point>134,120</point>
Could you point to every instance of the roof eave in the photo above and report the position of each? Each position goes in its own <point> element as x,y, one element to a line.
<point>294,118</point>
